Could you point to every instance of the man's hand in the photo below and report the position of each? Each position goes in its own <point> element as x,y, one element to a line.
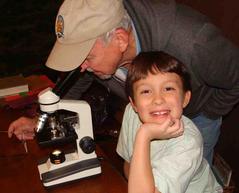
<point>23,128</point>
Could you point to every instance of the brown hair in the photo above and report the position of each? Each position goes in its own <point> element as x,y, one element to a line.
<point>154,62</point>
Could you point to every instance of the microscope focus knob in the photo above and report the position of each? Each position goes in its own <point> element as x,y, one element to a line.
<point>87,144</point>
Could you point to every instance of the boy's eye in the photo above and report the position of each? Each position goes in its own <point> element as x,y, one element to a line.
<point>144,91</point>
<point>169,88</point>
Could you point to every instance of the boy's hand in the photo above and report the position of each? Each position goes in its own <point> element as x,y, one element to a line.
<point>169,129</point>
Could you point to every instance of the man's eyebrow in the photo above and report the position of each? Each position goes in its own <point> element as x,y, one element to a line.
<point>89,56</point>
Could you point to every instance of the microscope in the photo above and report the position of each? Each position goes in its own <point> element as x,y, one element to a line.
<point>80,163</point>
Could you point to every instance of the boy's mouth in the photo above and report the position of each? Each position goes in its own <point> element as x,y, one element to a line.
<point>160,113</point>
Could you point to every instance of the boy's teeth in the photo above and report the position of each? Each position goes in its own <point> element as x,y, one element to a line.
<point>159,113</point>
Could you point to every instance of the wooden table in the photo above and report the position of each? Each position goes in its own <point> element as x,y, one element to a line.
<point>19,173</point>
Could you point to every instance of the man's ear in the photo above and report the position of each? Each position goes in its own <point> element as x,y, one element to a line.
<point>187,98</point>
<point>132,104</point>
<point>122,38</point>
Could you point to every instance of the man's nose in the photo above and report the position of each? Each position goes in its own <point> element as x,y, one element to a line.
<point>83,66</point>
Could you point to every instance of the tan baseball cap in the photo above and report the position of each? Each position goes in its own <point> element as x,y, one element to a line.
<point>78,24</point>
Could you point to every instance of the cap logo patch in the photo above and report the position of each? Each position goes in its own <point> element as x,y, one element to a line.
<point>60,27</point>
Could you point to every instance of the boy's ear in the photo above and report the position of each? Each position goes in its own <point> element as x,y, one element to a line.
<point>132,104</point>
<point>122,38</point>
<point>187,98</point>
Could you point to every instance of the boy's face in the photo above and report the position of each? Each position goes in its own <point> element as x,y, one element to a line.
<point>159,96</point>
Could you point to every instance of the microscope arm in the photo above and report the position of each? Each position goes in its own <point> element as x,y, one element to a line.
<point>83,110</point>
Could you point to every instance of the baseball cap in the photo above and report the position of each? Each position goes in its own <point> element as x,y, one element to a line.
<point>78,24</point>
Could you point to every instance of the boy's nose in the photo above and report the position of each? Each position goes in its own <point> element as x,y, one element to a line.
<point>158,99</point>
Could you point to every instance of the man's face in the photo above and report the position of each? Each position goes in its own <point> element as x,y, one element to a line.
<point>103,59</point>
<point>159,96</point>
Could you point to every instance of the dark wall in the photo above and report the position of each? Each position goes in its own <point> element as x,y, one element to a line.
<point>26,34</point>
<point>225,14</point>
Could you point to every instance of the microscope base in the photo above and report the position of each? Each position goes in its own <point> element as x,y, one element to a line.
<point>63,174</point>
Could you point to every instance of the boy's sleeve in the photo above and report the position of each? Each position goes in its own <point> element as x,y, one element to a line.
<point>123,141</point>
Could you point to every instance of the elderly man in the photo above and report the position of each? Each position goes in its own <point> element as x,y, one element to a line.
<point>103,36</point>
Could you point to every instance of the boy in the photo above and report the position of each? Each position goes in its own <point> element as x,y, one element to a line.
<point>162,149</point>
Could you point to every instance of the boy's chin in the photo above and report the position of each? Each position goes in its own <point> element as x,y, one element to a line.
<point>159,121</point>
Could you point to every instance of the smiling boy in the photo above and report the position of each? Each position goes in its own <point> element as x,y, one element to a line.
<point>162,149</point>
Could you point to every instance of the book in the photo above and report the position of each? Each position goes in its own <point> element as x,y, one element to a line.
<point>36,83</point>
<point>12,85</point>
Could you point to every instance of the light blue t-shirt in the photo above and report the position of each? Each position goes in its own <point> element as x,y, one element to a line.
<point>178,164</point>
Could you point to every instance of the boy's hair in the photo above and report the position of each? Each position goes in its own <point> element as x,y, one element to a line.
<point>154,62</point>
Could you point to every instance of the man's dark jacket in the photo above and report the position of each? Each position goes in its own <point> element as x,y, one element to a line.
<point>211,59</point>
